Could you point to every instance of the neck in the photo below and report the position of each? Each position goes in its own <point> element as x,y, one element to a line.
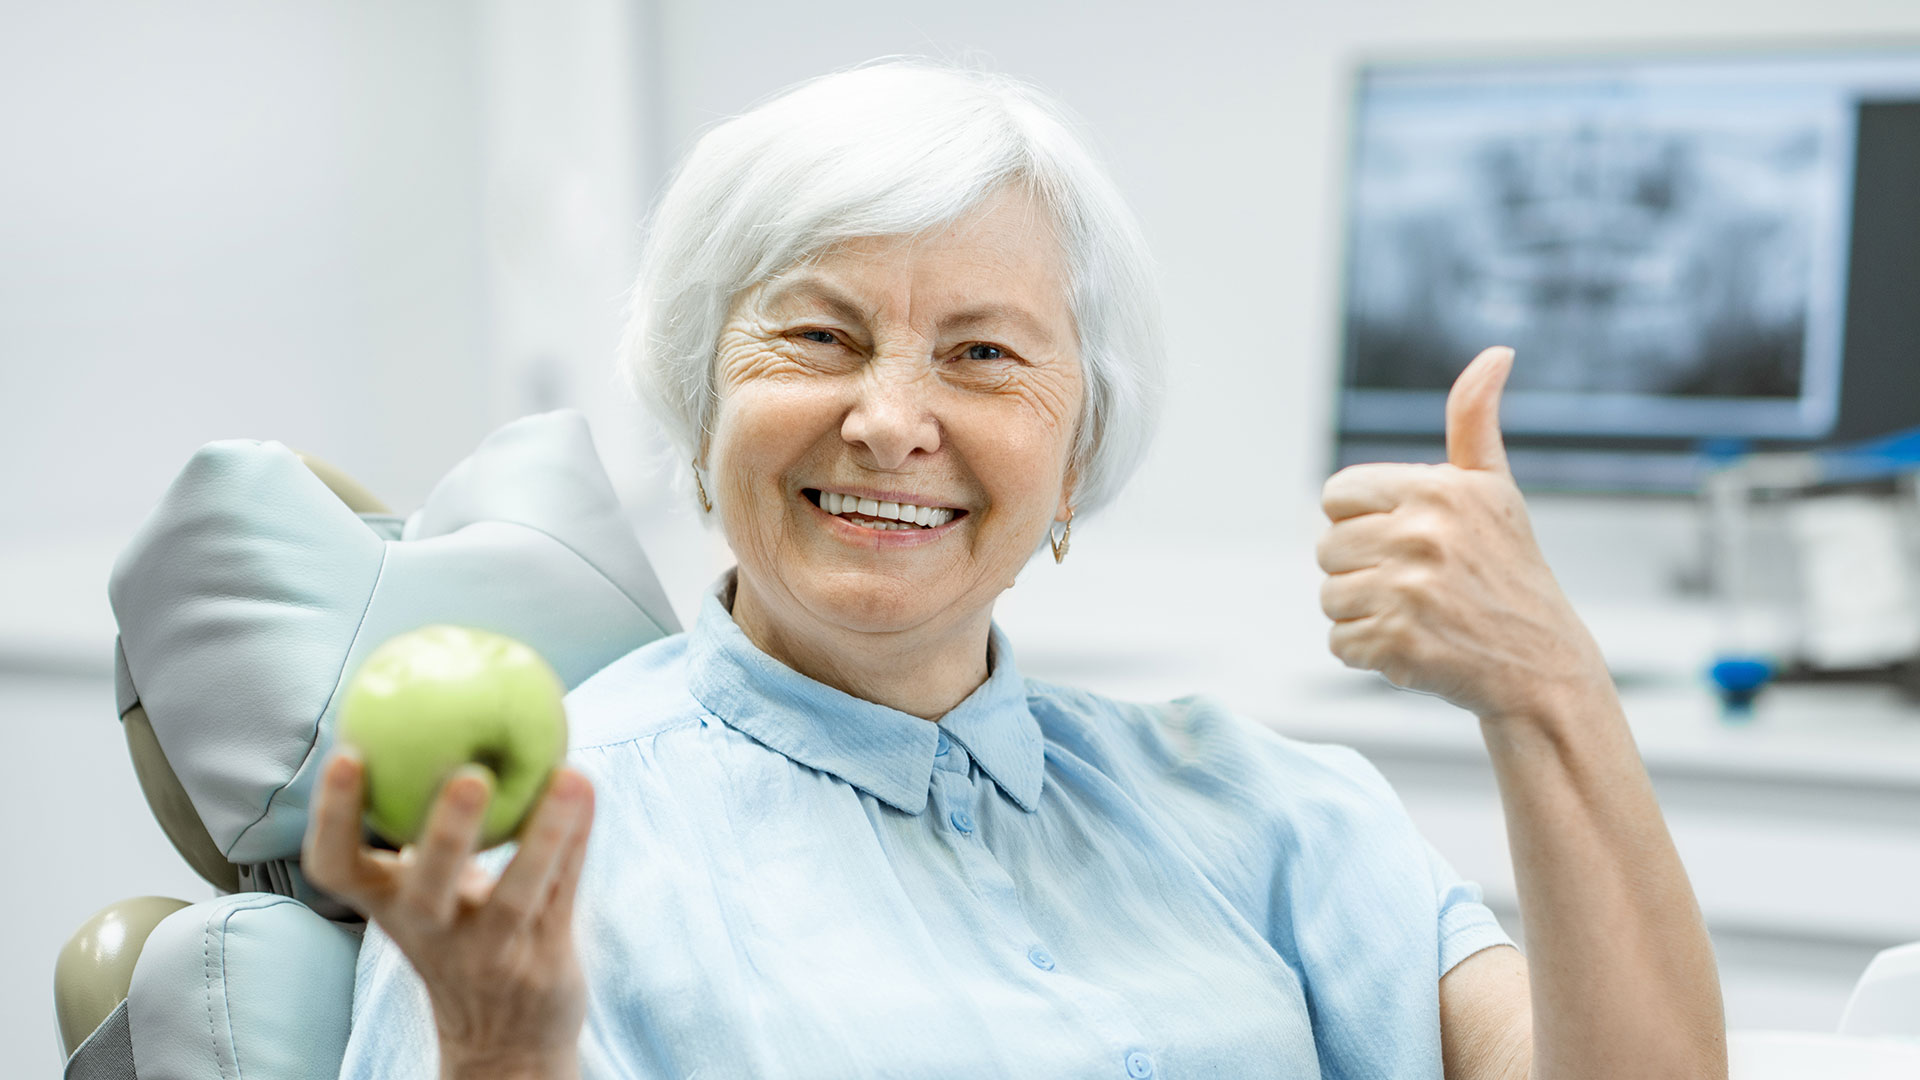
<point>922,672</point>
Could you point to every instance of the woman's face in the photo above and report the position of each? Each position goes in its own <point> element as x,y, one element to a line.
<point>940,374</point>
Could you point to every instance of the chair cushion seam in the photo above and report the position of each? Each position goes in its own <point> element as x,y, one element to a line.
<point>314,742</point>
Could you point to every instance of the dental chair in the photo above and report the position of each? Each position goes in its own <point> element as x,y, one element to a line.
<point>1879,1036</point>
<point>244,603</point>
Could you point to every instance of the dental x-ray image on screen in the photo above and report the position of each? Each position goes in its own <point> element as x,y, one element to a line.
<point>1663,245</point>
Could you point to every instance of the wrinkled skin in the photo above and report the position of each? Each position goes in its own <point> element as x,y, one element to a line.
<point>943,367</point>
<point>1435,579</point>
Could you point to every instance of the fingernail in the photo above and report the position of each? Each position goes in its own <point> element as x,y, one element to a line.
<point>343,775</point>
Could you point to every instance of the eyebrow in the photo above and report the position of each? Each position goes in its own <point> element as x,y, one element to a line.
<point>989,314</point>
<point>809,287</point>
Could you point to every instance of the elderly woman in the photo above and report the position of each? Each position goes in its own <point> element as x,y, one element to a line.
<point>904,330</point>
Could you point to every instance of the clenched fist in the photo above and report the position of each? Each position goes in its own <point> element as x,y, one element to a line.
<point>1435,580</point>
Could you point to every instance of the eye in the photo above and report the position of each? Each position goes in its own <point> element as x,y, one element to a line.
<point>983,351</point>
<point>824,337</point>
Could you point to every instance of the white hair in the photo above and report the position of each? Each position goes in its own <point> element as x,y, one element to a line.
<point>894,148</point>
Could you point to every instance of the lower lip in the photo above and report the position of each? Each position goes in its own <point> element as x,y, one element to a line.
<point>880,538</point>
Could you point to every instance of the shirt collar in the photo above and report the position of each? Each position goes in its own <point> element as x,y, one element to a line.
<point>884,752</point>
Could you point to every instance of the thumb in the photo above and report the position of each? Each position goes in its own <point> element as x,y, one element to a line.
<point>1473,412</point>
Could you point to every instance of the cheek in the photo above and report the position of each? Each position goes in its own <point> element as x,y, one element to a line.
<point>1033,452</point>
<point>1020,461</point>
<point>761,431</point>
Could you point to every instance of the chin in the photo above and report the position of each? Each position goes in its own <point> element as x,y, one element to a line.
<point>875,603</point>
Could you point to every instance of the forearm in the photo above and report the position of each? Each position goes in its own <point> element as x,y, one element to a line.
<point>1623,976</point>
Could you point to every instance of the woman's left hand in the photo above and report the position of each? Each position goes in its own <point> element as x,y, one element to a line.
<point>1434,577</point>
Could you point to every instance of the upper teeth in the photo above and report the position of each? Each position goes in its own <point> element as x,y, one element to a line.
<point>835,503</point>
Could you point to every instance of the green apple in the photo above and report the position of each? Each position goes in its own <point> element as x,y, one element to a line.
<point>431,700</point>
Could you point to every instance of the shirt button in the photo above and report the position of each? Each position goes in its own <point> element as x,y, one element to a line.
<point>1139,1065</point>
<point>961,820</point>
<point>944,746</point>
<point>1041,958</point>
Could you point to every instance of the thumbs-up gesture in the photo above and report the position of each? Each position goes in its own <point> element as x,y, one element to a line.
<point>1434,577</point>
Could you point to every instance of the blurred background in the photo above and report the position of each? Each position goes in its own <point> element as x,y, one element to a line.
<point>377,231</point>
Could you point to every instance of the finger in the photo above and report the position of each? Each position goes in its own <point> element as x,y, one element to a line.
<point>332,855</point>
<point>1353,595</point>
<point>1473,412</point>
<point>557,919</point>
<point>1368,489</point>
<point>476,885</point>
<point>522,890</point>
<point>1355,543</point>
<point>453,832</point>
<point>1353,641</point>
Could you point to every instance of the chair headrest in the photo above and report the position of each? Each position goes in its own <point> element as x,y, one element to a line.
<point>251,594</point>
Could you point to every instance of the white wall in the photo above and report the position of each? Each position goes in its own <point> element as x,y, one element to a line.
<point>225,220</point>
<point>232,220</point>
<point>216,220</point>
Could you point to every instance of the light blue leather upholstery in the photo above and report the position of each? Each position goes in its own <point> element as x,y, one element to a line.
<point>245,603</point>
<point>249,985</point>
<point>252,594</point>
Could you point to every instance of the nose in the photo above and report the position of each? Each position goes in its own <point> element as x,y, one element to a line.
<point>893,415</point>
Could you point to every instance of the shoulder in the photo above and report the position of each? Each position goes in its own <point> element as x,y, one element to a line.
<point>640,695</point>
<point>1274,823</point>
<point>1198,742</point>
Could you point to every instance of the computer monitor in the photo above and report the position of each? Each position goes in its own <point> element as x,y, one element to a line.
<point>1671,243</point>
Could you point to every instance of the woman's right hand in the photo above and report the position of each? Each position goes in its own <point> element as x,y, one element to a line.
<point>497,957</point>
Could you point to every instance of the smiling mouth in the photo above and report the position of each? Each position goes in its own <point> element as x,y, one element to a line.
<point>884,516</point>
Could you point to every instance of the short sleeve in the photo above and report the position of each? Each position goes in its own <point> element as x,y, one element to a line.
<point>1466,924</point>
<point>1311,844</point>
<point>1371,909</point>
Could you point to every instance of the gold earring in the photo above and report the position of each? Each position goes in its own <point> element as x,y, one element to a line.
<point>706,504</point>
<point>1060,542</point>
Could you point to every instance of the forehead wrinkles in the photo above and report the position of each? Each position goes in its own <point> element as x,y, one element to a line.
<point>930,288</point>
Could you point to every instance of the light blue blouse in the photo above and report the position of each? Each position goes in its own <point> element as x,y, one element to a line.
<point>786,881</point>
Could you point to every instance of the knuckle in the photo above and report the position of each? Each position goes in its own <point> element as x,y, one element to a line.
<point>1393,631</point>
<point>1347,480</point>
<point>320,869</point>
<point>513,911</point>
<point>1347,648</point>
<point>1340,477</point>
<point>550,830</point>
<point>322,864</point>
<point>1415,584</point>
<point>1440,489</point>
<point>1422,541</point>
<point>449,832</point>
<point>321,875</point>
<point>419,908</point>
<point>1337,641</point>
<point>1323,550</point>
